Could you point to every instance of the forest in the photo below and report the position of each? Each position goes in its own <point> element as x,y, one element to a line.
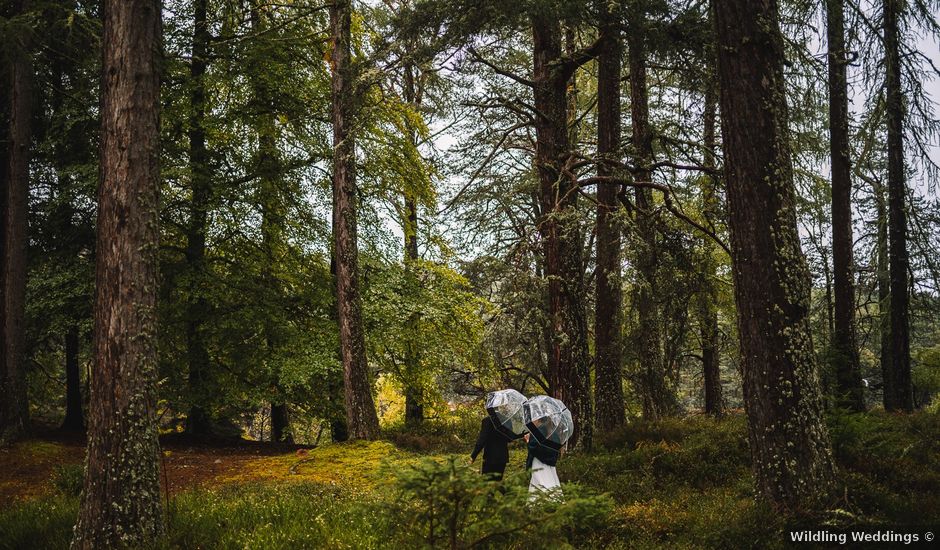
<point>264,262</point>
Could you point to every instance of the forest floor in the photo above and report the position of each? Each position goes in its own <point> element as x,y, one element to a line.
<point>678,483</point>
<point>29,469</point>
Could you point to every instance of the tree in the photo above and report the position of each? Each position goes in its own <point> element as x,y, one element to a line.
<point>15,141</point>
<point>658,398</point>
<point>844,345</point>
<point>569,374</point>
<point>898,392</point>
<point>792,458</point>
<point>708,296</point>
<point>120,503</point>
<point>200,173</point>
<point>361,419</point>
<point>609,409</point>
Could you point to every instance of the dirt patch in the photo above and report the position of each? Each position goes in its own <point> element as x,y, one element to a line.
<point>27,468</point>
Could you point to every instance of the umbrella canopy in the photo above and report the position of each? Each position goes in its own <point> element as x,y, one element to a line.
<point>505,409</point>
<point>548,420</point>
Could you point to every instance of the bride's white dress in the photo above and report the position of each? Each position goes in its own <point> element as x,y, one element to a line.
<point>544,478</point>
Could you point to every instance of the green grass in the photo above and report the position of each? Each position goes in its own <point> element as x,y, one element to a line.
<point>680,483</point>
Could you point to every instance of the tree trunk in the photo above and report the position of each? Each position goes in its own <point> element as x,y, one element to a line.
<point>844,346</point>
<point>201,390</point>
<point>901,393</point>
<point>609,294</point>
<point>790,449</point>
<point>280,423</point>
<point>569,374</point>
<point>120,503</point>
<point>658,399</point>
<point>414,402</point>
<point>884,299</point>
<point>14,203</point>
<point>708,299</point>
<point>74,419</point>
<point>361,418</point>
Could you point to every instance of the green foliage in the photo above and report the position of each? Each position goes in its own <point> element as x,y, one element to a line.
<point>422,322</point>
<point>68,479</point>
<point>445,504</point>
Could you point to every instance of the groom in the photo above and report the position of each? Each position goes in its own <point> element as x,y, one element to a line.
<point>495,447</point>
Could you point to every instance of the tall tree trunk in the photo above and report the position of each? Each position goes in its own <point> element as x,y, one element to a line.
<point>902,393</point>
<point>74,419</point>
<point>845,345</point>
<point>201,390</point>
<point>658,399</point>
<point>568,379</point>
<point>569,374</point>
<point>361,418</point>
<point>884,299</point>
<point>790,449</point>
<point>14,202</point>
<point>414,399</point>
<point>120,503</point>
<point>708,299</point>
<point>609,294</point>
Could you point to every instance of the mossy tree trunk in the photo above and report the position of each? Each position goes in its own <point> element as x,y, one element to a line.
<point>361,419</point>
<point>609,409</point>
<point>899,395</point>
<point>844,344</point>
<point>120,505</point>
<point>414,398</point>
<point>15,139</point>
<point>792,457</point>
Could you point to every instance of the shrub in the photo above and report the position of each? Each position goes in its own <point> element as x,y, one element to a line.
<point>444,504</point>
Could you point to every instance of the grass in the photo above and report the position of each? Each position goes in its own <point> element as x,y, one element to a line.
<point>678,483</point>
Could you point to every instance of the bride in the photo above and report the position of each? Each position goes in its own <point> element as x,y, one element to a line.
<point>541,460</point>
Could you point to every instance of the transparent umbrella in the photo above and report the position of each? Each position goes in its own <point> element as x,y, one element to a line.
<point>505,409</point>
<point>548,420</point>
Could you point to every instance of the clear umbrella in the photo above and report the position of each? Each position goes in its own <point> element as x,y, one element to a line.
<point>505,409</point>
<point>549,420</point>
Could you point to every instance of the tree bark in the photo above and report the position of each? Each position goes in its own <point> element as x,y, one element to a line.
<point>791,453</point>
<point>708,299</point>
<point>14,203</point>
<point>120,503</point>
<point>609,410</point>
<point>658,398</point>
<point>201,390</point>
<point>899,397</point>
<point>361,418</point>
<point>845,344</point>
<point>74,418</point>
